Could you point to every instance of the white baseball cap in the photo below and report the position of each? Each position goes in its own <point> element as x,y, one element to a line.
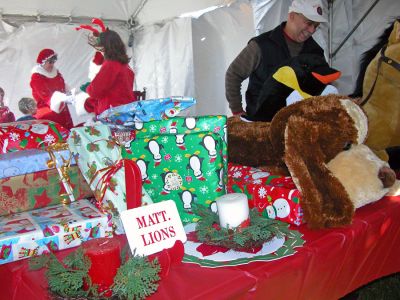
<point>311,9</point>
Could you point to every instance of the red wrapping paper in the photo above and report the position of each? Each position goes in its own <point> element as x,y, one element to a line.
<point>332,263</point>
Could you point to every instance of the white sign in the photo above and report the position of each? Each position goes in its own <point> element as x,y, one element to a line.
<point>152,228</point>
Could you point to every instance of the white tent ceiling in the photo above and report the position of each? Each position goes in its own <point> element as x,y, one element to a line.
<point>145,11</point>
<point>170,55</point>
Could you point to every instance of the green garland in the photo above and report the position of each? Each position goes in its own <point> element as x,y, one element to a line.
<point>260,230</point>
<point>137,278</point>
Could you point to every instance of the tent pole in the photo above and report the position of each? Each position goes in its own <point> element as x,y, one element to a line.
<point>354,29</point>
<point>330,30</point>
<point>15,18</point>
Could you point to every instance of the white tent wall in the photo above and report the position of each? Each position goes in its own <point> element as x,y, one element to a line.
<point>346,14</point>
<point>218,37</point>
<point>163,59</point>
<point>189,56</point>
<point>178,56</point>
<point>20,47</point>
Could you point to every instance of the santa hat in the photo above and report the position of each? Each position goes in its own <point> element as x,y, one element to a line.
<point>44,55</point>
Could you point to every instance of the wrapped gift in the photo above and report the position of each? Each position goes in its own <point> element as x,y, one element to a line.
<point>40,189</point>
<point>99,158</point>
<point>183,159</point>
<point>146,110</point>
<point>32,134</point>
<point>54,228</point>
<point>275,197</point>
<point>30,161</point>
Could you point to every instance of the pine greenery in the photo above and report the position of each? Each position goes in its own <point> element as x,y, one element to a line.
<point>260,230</point>
<point>137,278</point>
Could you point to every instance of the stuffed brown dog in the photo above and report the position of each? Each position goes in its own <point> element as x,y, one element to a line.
<point>307,139</point>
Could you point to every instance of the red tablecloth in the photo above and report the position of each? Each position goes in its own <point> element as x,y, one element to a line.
<point>331,264</point>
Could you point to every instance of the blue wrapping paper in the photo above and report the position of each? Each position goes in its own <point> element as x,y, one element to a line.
<point>145,111</point>
<point>29,161</point>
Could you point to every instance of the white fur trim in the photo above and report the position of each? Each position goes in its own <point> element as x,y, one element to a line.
<point>56,101</point>
<point>80,100</point>
<point>93,70</point>
<point>40,70</point>
<point>77,110</point>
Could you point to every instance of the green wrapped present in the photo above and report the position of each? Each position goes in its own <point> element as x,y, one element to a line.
<point>183,159</point>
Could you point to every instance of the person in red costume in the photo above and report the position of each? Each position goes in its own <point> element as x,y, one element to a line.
<point>113,84</point>
<point>5,114</point>
<point>49,90</point>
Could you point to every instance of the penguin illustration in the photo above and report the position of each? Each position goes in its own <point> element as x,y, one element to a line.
<point>154,149</point>
<point>180,141</point>
<point>143,170</point>
<point>209,144</point>
<point>187,198</point>
<point>195,165</point>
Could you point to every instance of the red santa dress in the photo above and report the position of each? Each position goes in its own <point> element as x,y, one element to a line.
<point>43,85</point>
<point>112,86</point>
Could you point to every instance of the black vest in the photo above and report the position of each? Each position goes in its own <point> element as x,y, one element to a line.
<point>274,54</point>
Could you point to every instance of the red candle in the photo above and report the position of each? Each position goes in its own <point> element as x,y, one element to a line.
<point>104,254</point>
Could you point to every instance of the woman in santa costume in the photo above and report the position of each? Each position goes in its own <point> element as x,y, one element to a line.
<point>49,90</point>
<point>113,84</point>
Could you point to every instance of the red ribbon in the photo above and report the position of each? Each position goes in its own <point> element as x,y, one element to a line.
<point>133,182</point>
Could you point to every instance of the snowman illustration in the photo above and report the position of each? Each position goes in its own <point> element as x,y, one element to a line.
<point>279,209</point>
<point>39,128</point>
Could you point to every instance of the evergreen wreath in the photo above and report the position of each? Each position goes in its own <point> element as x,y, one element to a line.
<point>137,278</point>
<point>255,235</point>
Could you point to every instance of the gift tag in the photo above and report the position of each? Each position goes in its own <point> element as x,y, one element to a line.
<point>152,228</point>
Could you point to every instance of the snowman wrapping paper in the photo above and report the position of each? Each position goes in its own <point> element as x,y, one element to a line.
<point>183,159</point>
<point>33,134</point>
<point>275,197</point>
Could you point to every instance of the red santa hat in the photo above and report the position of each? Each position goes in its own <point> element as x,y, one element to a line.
<point>44,55</point>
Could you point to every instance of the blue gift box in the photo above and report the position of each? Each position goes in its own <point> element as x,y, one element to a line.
<point>30,161</point>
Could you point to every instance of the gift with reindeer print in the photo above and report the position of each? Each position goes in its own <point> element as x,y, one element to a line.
<point>183,159</point>
<point>98,156</point>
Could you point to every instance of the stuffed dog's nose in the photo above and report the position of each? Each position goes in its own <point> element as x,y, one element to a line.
<point>387,176</point>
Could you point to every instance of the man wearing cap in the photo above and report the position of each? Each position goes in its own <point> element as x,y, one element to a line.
<point>264,53</point>
<point>49,90</point>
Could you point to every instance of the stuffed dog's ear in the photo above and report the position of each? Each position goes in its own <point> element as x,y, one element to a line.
<point>324,199</point>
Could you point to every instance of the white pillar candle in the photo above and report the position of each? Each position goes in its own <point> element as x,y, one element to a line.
<point>233,209</point>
